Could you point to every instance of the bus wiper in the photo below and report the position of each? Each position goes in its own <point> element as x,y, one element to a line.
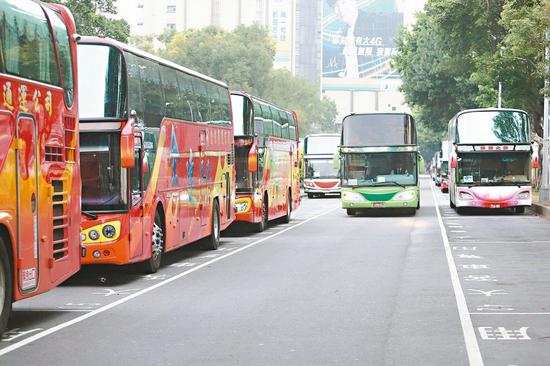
<point>90,215</point>
<point>388,181</point>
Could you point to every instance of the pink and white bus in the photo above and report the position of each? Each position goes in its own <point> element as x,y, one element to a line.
<point>490,159</point>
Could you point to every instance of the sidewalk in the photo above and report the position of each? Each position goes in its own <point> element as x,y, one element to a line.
<point>541,208</point>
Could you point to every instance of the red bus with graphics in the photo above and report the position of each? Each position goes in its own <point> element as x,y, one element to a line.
<point>266,160</point>
<point>320,175</point>
<point>156,154</point>
<point>39,168</point>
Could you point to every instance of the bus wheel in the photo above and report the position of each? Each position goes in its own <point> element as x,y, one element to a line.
<point>286,218</point>
<point>350,211</point>
<point>262,225</point>
<point>152,264</point>
<point>418,204</point>
<point>6,286</point>
<point>310,195</point>
<point>212,242</point>
<point>519,209</point>
<point>451,203</point>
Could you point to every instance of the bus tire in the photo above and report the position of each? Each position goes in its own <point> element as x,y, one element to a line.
<point>212,241</point>
<point>286,218</point>
<point>350,211</point>
<point>451,204</point>
<point>262,225</point>
<point>418,205</point>
<point>519,209</point>
<point>158,235</point>
<point>6,286</point>
<point>310,195</point>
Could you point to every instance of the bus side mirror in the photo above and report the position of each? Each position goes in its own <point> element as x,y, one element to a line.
<point>127,148</point>
<point>253,159</point>
<point>453,163</point>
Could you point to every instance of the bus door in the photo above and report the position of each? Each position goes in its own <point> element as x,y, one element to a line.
<point>136,221</point>
<point>204,179</point>
<point>27,203</point>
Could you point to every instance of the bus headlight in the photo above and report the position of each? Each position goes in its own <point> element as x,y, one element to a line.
<point>466,196</point>
<point>523,195</point>
<point>82,237</point>
<point>109,231</point>
<point>352,196</point>
<point>94,235</point>
<point>241,206</point>
<point>404,196</point>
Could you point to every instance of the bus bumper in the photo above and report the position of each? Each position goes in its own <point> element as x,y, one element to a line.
<point>372,198</point>
<point>245,209</point>
<point>493,197</point>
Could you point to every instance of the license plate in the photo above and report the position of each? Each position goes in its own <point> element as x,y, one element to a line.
<point>495,206</point>
<point>378,205</point>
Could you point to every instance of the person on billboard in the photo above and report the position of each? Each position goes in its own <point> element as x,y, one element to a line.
<point>347,12</point>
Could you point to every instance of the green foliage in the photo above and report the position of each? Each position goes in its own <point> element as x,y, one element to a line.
<point>244,60</point>
<point>459,50</point>
<point>90,21</point>
<point>315,115</point>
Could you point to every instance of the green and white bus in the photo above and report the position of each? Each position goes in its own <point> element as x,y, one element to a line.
<point>379,162</point>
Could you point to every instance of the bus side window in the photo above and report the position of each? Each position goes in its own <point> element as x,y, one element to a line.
<point>258,120</point>
<point>173,100</point>
<point>27,46</point>
<point>151,88</point>
<point>65,56</point>
<point>135,101</point>
<point>186,94</point>
<point>277,125</point>
<point>292,127</point>
<point>267,119</point>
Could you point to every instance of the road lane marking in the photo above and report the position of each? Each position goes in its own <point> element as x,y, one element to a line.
<point>470,338</point>
<point>98,311</point>
<point>474,313</point>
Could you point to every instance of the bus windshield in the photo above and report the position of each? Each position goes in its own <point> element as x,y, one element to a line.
<point>104,182</point>
<point>380,169</point>
<point>320,169</point>
<point>241,115</point>
<point>504,168</point>
<point>102,92</point>
<point>321,144</point>
<point>378,130</point>
<point>493,127</point>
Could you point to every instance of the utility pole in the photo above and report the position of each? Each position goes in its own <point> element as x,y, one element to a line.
<point>544,189</point>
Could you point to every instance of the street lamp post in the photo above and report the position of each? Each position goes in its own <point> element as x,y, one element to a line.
<point>544,188</point>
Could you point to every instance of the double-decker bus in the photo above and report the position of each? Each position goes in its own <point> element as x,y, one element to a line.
<point>490,164</point>
<point>39,167</point>
<point>266,160</point>
<point>156,154</point>
<point>379,162</point>
<point>320,174</point>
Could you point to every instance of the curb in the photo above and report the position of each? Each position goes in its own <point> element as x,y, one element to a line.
<point>542,210</point>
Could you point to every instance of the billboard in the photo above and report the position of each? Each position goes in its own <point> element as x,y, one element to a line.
<point>358,42</point>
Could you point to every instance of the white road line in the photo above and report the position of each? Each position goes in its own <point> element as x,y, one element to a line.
<point>61,326</point>
<point>509,313</point>
<point>470,339</point>
<point>53,310</point>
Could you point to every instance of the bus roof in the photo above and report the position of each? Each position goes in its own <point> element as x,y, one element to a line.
<point>487,110</point>
<point>136,51</point>
<point>250,96</point>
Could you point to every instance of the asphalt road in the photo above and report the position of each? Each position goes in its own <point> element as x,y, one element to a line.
<point>381,289</point>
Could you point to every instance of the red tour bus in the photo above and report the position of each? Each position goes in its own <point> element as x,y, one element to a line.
<point>39,168</point>
<point>156,153</point>
<point>266,155</point>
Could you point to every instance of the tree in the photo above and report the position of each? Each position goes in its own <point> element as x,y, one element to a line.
<point>90,20</point>
<point>242,58</point>
<point>315,115</point>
